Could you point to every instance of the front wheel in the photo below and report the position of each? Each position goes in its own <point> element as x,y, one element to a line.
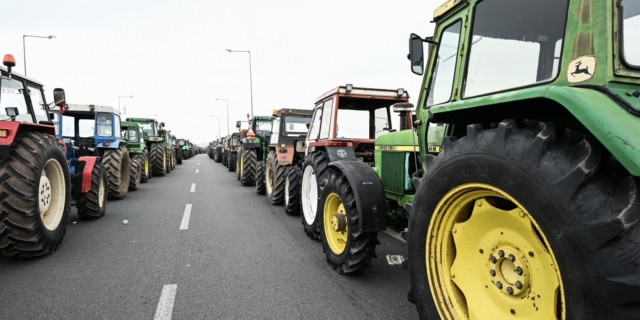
<point>510,216</point>
<point>135,175</point>
<point>260,179</point>
<point>292,186</point>
<point>275,176</point>
<point>159,159</point>
<point>316,169</point>
<point>248,167</point>
<point>93,204</point>
<point>231,161</point>
<point>347,248</point>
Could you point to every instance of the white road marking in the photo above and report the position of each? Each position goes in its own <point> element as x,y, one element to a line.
<point>198,163</point>
<point>184,225</point>
<point>165,305</point>
<point>193,187</point>
<point>197,170</point>
<point>394,234</point>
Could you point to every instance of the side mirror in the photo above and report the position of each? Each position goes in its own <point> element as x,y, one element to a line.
<point>308,125</point>
<point>416,54</point>
<point>59,98</point>
<point>238,124</point>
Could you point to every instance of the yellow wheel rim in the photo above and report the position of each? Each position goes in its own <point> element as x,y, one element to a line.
<point>146,166</point>
<point>487,258</point>
<point>336,238</point>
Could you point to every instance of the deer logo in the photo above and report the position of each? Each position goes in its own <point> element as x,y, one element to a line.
<point>579,71</point>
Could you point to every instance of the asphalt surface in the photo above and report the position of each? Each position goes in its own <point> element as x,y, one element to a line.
<point>237,258</point>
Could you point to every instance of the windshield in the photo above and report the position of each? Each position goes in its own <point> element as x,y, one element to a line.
<point>263,128</point>
<point>296,125</point>
<point>133,135</point>
<point>148,128</point>
<point>12,96</point>
<point>104,121</point>
<point>631,32</point>
<point>181,143</point>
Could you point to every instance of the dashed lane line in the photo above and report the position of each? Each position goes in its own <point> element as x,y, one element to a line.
<point>165,305</point>
<point>197,170</point>
<point>193,187</point>
<point>184,225</point>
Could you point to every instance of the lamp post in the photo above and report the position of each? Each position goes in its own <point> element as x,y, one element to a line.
<point>119,100</point>
<point>250,76</point>
<point>227,100</point>
<point>218,123</point>
<point>24,48</point>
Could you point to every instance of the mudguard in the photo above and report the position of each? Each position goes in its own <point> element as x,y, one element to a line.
<point>251,145</point>
<point>84,167</point>
<point>369,194</point>
<point>112,144</point>
<point>340,153</point>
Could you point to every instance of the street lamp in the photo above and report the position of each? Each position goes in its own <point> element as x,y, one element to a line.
<point>119,100</point>
<point>227,100</point>
<point>250,76</point>
<point>218,123</point>
<point>24,50</point>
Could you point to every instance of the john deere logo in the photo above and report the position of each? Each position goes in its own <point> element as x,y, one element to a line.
<point>342,153</point>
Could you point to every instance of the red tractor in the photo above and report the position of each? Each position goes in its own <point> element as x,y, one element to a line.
<point>35,184</point>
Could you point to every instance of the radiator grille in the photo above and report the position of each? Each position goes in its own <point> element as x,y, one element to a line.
<point>393,172</point>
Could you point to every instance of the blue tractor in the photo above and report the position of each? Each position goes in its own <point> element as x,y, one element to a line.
<point>92,130</point>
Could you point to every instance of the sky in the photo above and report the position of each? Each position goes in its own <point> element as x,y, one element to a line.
<point>170,55</point>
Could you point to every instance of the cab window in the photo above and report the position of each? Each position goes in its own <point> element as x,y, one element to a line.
<point>37,101</point>
<point>12,96</point>
<point>314,130</point>
<point>105,122</point>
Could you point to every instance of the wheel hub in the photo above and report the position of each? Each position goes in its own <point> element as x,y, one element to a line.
<point>509,271</point>
<point>44,198</point>
<point>339,222</point>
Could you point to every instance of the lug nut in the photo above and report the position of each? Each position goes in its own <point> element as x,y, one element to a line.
<point>510,290</point>
<point>492,272</point>
<point>519,285</point>
<point>500,253</point>
<point>499,285</point>
<point>493,259</point>
<point>512,258</point>
<point>519,272</point>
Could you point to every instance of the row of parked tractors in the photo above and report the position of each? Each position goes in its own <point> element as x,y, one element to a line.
<point>519,197</point>
<point>54,156</point>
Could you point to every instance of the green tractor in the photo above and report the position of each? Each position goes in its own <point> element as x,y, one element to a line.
<point>169,140</point>
<point>253,148</point>
<point>281,176</point>
<point>232,143</point>
<point>137,149</point>
<point>186,148</point>
<point>154,141</point>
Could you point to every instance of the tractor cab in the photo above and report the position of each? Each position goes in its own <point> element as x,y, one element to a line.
<point>88,130</point>
<point>150,129</point>
<point>132,132</point>
<point>352,117</point>
<point>289,130</point>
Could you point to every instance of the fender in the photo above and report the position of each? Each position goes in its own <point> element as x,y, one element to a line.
<point>14,128</point>
<point>369,194</point>
<point>250,145</point>
<point>87,168</point>
<point>111,144</point>
<point>284,155</point>
<point>340,153</point>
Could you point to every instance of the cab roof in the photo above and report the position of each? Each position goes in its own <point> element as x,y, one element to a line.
<point>142,119</point>
<point>295,112</point>
<point>371,93</point>
<point>445,7</point>
<point>90,108</point>
<point>4,69</point>
<point>129,124</point>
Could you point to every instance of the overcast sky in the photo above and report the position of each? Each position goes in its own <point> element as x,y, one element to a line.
<point>170,55</point>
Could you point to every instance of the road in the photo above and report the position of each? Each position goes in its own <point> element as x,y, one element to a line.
<point>234,257</point>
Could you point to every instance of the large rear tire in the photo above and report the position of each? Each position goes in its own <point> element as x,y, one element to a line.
<point>135,175</point>
<point>36,196</point>
<point>159,159</point>
<point>169,161</point>
<point>118,164</point>
<point>145,165</point>
<point>316,170</point>
<point>224,158</point>
<point>292,187</point>
<point>275,176</point>
<point>548,209</point>
<point>93,204</point>
<point>248,167</point>
<point>347,248</point>
<point>260,178</point>
<point>231,162</point>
